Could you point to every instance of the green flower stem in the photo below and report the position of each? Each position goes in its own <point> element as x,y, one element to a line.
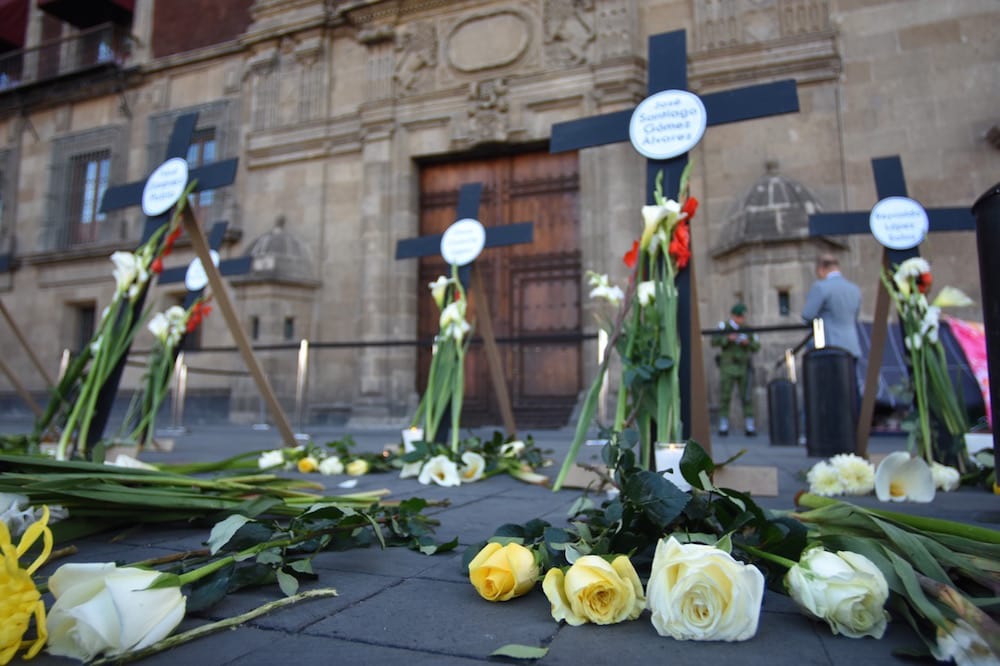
<point>924,523</point>
<point>213,627</point>
<point>593,394</point>
<point>770,557</point>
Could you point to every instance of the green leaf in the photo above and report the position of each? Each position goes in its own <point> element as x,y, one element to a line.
<point>289,584</point>
<point>695,461</point>
<point>302,566</point>
<point>518,651</point>
<point>223,531</point>
<point>271,556</point>
<point>661,501</point>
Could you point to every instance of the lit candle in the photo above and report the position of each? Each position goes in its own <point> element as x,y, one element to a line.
<point>668,462</point>
<point>411,435</point>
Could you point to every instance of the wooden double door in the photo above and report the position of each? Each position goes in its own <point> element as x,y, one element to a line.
<point>532,290</point>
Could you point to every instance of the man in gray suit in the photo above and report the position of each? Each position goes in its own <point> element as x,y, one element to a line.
<point>837,301</point>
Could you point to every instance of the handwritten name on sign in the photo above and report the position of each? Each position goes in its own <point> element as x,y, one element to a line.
<point>667,124</point>
<point>463,241</point>
<point>164,187</point>
<point>899,223</point>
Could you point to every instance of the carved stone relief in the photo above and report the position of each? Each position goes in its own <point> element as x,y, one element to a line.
<point>569,32</point>
<point>487,114</point>
<point>416,57</point>
<point>723,23</point>
<point>616,29</point>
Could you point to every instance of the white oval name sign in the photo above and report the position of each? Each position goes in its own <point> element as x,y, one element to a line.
<point>899,223</point>
<point>463,241</point>
<point>164,187</point>
<point>196,278</point>
<point>667,124</point>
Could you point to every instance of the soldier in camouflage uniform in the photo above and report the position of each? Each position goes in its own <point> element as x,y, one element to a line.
<point>736,348</point>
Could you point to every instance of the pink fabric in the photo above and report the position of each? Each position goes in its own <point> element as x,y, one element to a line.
<point>971,337</point>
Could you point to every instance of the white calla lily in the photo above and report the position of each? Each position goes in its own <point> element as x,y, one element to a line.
<point>901,477</point>
<point>440,470</point>
<point>473,467</point>
<point>952,297</point>
<point>438,290</point>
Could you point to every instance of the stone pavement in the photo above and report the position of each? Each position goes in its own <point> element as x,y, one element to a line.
<point>399,606</point>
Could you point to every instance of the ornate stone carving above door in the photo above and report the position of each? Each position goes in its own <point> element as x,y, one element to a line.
<point>569,32</point>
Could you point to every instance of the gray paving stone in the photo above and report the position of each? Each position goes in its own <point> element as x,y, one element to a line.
<point>443,617</point>
<point>318,650</point>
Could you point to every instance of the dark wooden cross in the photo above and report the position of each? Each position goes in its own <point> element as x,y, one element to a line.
<point>469,196</point>
<point>210,176</point>
<point>889,182</point>
<point>668,71</point>
<point>227,267</point>
<point>206,177</point>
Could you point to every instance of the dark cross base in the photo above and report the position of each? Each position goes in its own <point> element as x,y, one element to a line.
<point>511,234</point>
<point>668,71</point>
<point>889,182</point>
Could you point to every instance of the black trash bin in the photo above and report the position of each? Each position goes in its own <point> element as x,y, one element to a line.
<point>782,413</point>
<point>830,391</point>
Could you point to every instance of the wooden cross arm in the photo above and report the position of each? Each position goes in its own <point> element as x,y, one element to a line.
<point>759,101</point>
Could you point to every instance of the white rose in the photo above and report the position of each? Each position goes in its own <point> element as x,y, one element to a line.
<point>844,589</point>
<point>330,466</point>
<point>101,609</point>
<point>698,592</point>
<point>440,470</point>
<point>269,459</point>
<point>945,478</point>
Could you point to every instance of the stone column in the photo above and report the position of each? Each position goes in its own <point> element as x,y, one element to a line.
<point>372,402</point>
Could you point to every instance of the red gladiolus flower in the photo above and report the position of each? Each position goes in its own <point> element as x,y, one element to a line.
<point>924,282</point>
<point>157,266</point>
<point>680,244</point>
<point>690,206</point>
<point>168,245</point>
<point>200,310</point>
<point>632,256</point>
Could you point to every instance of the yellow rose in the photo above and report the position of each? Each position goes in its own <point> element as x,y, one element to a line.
<point>500,573</point>
<point>357,467</point>
<point>308,464</point>
<point>698,592</point>
<point>594,591</point>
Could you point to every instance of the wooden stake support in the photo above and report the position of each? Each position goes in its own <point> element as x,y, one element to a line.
<point>221,294</point>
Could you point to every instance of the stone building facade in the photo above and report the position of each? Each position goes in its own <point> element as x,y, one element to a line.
<point>342,114</point>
